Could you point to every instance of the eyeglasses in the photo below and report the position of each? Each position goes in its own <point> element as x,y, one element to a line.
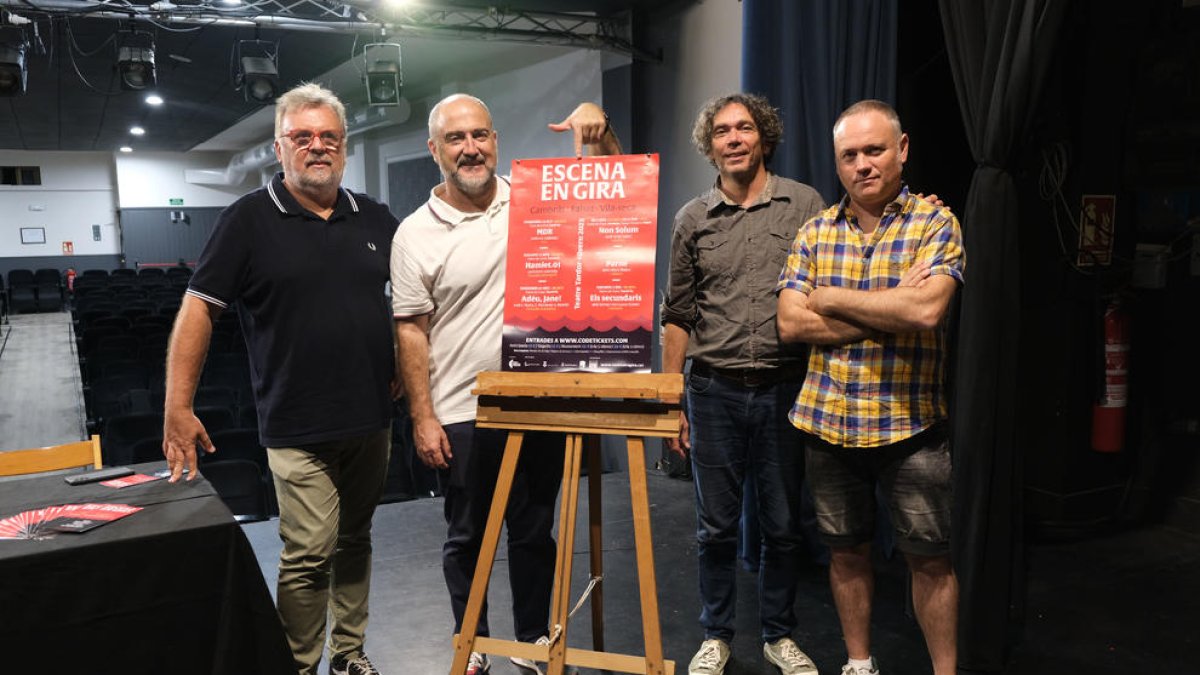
<point>303,138</point>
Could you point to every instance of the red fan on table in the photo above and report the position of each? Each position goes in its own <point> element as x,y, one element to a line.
<point>48,522</point>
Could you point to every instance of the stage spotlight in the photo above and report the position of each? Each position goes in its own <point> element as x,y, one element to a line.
<point>14,76</point>
<point>135,61</point>
<point>258,75</point>
<point>383,73</point>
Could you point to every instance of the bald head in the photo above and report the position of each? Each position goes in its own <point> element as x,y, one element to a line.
<point>453,102</point>
<point>463,143</point>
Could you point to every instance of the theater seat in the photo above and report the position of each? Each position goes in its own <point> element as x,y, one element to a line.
<point>240,486</point>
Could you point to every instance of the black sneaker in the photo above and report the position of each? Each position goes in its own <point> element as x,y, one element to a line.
<point>353,665</point>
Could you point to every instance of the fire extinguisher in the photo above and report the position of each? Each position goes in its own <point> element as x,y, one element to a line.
<point>1108,413</point>
<point>70,279</point>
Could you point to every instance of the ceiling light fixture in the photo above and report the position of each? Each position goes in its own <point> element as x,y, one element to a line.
<point>384,78</point>
<point>135,60</point>
<point>154,99</point>
<point>258,70</point>
<point>137,131</point>
<point>14,75</point>
<point>126,148</point>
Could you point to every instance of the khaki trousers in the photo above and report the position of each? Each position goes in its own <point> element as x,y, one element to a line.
<point>327,494</point>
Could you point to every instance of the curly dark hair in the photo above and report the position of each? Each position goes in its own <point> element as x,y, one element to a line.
<point>765,116</point>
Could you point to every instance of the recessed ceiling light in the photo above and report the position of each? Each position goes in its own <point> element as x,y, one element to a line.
<point>154,99</point>
<point>126,148</point>
<point>230,2</point>
<point>137,131</point>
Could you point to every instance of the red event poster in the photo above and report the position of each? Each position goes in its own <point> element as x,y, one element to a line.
<point>579,287</point>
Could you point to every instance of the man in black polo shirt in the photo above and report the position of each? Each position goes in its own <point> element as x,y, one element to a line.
<point>306,262</point>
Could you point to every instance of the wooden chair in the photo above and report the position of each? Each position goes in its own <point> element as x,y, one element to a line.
<point>51,458</point>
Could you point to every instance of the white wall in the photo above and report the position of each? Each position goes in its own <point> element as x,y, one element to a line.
<point>76,193</point>
<point>522,103</point>
<point>152,179</point>
<point>702,58</point>
<point>82,189</point>
<point>701,50</point>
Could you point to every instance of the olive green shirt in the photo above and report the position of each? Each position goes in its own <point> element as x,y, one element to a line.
<point>725,265</point>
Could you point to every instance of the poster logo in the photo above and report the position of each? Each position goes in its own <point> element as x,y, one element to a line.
<point>580,270</point>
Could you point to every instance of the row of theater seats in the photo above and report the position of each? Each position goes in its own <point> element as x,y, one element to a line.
<point>122,326</point>
<point>46,289</point>
<point>30,291</point>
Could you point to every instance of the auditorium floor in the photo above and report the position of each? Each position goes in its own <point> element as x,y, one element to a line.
<point>41,402</point>
<point>1124,603</point>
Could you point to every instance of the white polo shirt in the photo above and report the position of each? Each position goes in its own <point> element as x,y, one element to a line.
<point>451,264</point>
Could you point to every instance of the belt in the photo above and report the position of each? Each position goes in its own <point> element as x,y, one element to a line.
<point>750,377</point>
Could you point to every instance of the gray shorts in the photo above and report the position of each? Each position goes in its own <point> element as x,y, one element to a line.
<point>913,476</point>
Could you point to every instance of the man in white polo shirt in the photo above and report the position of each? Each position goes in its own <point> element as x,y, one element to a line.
<point>448,302</point>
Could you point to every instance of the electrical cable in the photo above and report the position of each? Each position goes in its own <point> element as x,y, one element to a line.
<point>71,54</point>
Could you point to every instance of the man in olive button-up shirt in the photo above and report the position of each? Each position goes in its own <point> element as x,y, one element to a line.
<point>727,251</point>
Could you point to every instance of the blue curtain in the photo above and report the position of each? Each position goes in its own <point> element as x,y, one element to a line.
<point>812,59</point>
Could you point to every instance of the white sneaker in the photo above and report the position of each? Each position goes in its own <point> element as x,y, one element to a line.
<point>525,665</point>
<point>478,664</point>
<point>851,670</point>
<point>711,658</point>
<point>784,654</point>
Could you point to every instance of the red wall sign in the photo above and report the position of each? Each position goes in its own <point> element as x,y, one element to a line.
<point>579,291</point>
<point>1097,220</point>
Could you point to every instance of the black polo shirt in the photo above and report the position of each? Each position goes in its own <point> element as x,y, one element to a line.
<point>310,295</point>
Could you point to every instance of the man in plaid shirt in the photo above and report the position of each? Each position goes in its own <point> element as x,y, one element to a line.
<point>867,284</point>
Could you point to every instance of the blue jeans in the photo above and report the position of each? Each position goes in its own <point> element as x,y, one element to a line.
<point>737,431</point>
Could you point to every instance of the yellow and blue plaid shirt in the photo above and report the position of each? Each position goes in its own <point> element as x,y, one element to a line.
<point>889,386</point>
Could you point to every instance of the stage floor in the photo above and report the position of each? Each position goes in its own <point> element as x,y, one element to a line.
<point>1124,603</point>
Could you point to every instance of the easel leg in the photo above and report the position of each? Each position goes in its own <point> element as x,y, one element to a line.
<point>651,629</point>
<point>596,539</point>
<point>465,643</point>
<point>561,604</point>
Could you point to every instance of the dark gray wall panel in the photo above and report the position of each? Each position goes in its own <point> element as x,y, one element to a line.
<point>149,236</point>
<point>409,183</point>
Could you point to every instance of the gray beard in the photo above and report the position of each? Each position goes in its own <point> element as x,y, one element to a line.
<point>472,187</point>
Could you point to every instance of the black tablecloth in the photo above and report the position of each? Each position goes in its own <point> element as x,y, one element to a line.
<point>173,589</point>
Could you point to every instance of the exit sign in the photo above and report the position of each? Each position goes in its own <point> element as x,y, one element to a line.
<point>176,201</point>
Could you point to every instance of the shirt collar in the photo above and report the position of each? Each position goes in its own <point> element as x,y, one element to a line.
<point>288,206</point>
<point>717,198</point>
<point>448,215</point>
<point>900,204</point>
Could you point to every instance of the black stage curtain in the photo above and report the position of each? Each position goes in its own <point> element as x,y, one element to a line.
<point>813,59</point>
<point>999,53</point>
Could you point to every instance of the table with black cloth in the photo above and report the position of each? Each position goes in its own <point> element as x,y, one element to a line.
<point>173,589</point>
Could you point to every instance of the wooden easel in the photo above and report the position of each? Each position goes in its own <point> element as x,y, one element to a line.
<point>582,405</point>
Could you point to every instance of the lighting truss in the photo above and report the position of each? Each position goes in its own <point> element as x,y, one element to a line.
<point>581,30</point>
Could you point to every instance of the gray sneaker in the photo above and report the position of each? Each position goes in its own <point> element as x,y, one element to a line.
<point>784,654</point>
<point>851,670</point>
<point>711,658</point>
